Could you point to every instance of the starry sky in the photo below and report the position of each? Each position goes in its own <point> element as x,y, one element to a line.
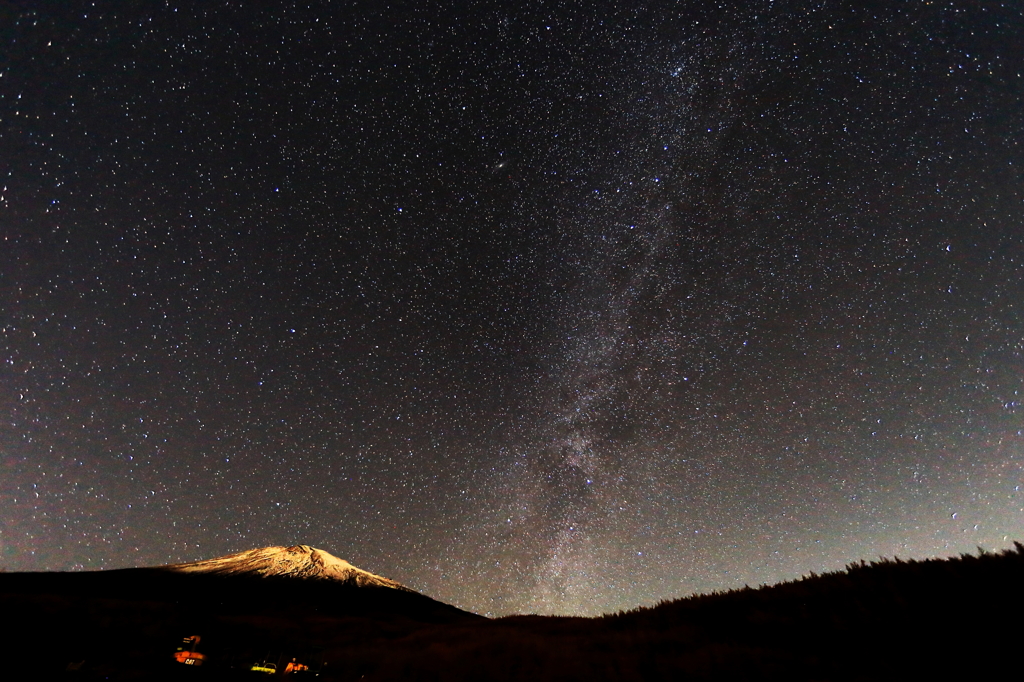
<point>544,306</point>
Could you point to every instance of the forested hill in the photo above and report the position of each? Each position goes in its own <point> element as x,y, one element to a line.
<point>886,619</point>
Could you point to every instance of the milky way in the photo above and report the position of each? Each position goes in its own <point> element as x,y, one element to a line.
<point>554,308</point>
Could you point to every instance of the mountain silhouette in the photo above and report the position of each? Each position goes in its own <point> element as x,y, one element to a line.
<point>267,581</point>
<point>891,619</point>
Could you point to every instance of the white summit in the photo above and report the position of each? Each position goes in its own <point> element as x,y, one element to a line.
<point>300,561</point>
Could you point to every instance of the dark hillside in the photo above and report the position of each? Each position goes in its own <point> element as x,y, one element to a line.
<point>126,624</point>
<point>883,619</point>
<point>235,594</point>
<point>889,619</point>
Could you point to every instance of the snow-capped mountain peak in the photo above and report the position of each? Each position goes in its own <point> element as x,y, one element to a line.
<point>298,561</point>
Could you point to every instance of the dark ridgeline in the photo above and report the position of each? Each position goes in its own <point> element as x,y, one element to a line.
<point>889,619</point>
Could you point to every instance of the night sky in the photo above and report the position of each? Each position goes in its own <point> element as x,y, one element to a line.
<point>532,306</point>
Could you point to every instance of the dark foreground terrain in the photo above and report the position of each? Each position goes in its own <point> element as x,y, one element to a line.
<point>935,619</point>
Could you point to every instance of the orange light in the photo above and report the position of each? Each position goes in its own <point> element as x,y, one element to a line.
<point>189,657</point>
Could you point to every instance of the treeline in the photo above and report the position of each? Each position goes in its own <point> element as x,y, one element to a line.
<point>888,619</point>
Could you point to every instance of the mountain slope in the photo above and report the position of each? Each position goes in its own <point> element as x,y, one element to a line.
<point>267,581</point>
<point>299,561</point>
